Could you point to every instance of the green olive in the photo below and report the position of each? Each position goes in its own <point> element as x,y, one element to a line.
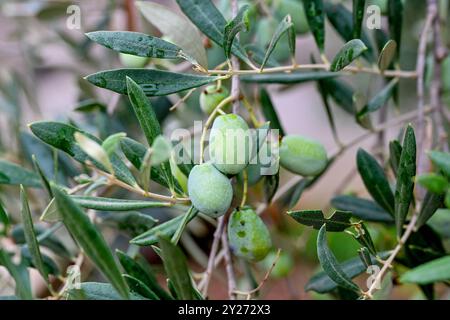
<point>131,61</point>
<point>297,12</point>
<point>209,190</point>
<point>230,144</point>
<point>282,268</point>
<point>303,156</point>
<point>248,236</point>
<point>211,97</point>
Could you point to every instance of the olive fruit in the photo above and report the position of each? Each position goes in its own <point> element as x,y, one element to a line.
<point>211,97</point>
<point>297,12</point>
<point>209,190</point>
<point>131,61</point>
<point>303,156</point>
<point>282,268</point>
<point>248,236</point>
<point>230,143</point>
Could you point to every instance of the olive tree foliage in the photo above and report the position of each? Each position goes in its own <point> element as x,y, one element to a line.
<point>220,62</point>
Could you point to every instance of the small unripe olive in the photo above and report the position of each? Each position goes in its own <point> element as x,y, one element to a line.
<point>282,268</point>
<point>131,61</point>
<point>209,190</point>
<point>297,12</point>
<point>303,156</point>
<point>211,97</point>
<point>230,144</point>
<point>248,236</point>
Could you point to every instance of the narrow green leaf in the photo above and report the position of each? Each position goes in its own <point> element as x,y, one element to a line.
<point>239,23</point>
<point>285,26</point>
<point>433,182</point>
<point>365,257</point>
<point>166,229</point>
<point>153,82</point>
<point>288,78</point>
<point>94,150</point>
<point>349,52</point>
<point>364,238</point>
<point>431,203</point>
<point>4,219</point>
<point>111,143</point>
<point>380,99</point>
<point>49,266</point>
<point>136,43</point>
<point>138,287</point>
<point>387,55</point>
<point>440,221</point>
<point>30,235</point>
<point>179,30</point>
<point>191,214</point>
<point>395,20</point>
<point>362,208</point>
<point>61,136</point>
<point>330,265</point>
<point>211,22</point>
<point>110,204</point>
<point>11,173</point>
<point>339,221</point>
<point>90,240</point>
<point>439,159</point>
<point>271,184</point>
<point>324,95</point>
<point>146,276</point>
<point>176,269</point>
<point>269,111</point>
<point>395,152</point>
<point>315,15</point>
<point>97,291</point>
<point>341,92</point>
<point>405,179</point>
<point>430,272</point>
<point>41,174</point>
<point>375,181</point>
<point>20,275</point>
<point>161,150</point>
<point>358,16</point>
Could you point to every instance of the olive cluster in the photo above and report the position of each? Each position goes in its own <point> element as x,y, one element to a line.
<point>209,185</point>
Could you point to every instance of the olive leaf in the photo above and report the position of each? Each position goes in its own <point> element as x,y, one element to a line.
<point>20,275</point>
<point>61,136</point>
<point>41,174</point>
<point>110,204</point>
<point>140,288</point>
<point>339,221</point>
<point>433,182</point>
<point>166,229</point>
<point>269,111</point>
<point>395,152</point>
<point>405,179</point>
<point>4,219</point>
<point>211,22</point>
<point>145,275</point>
<point>375,181</point>
<point>132,223</point>
<point>94,150</point>
<point>190,214</point>
<point>395,20</point>
<point>11,173</point>
<point>330,265</point>
<point>288,78</point>
<point>358,16</point>
<point>152,82</point>
<point>176,269</point>
<point>111,143</point>
<point>349,52</point>
<point>341,93</point>
<point>379,100</point>
<point>315,15</point>
<point>90,240</point>
<point>362,208</point>
<point>138,44</point>
<point>97,291</point>
<point>434,271</point>
<point>441,160</point>
<point>431,203</point>
<point>284,27</point>
<point>30,235</point>
<point>239,23</point>
<point>387,55</point>
<point>179,30</point>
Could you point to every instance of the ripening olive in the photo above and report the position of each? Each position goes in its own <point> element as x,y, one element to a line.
<point>248,236</point>
<point>282,268</point>
<point>230,144</point>
<point>297,12</point>
<point>303,156</point>
<point>211,97</point>
<point>131,61</point>
<point>209,190</point>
